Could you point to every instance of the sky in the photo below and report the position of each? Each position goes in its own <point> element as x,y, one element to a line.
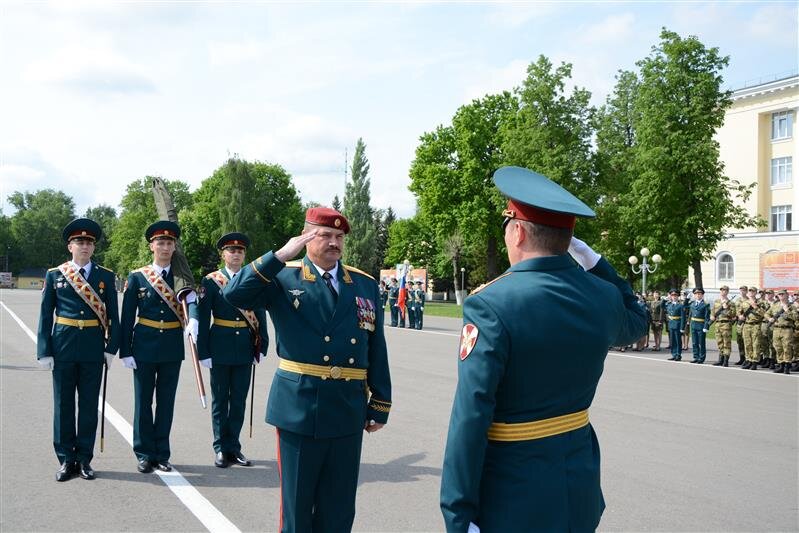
<point>94,95</point>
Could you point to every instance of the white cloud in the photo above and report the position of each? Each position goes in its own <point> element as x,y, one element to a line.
<point>613,29</point>
<point>775,24</point>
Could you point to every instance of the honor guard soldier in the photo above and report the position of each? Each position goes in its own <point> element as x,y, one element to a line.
<point>410,304</point>
<point>657,315</point>
<point>783,319</point>
<point>85,334</point>
<point>393,297</point>
<point>744,293</point>
<point>230,346</point>
<point>332,381</point>
<point>723,315</point>
<point>152,346</point>
<point>700,321</point>
<point>419,299</point>
<point>675,324</point>
<point>750,316</point>
<point>383,295</point>
<point>521,454</point>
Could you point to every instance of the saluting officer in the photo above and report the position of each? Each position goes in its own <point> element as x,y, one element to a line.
<point>393,296</point>
<point>521,454</point>
<point>676,324</point>
<point>783,319</point>
<point>750,315</point>
<point>230,346</point>
<point>152,345</point>
<point>744,293</point>
<point>723,316</point>
<point>83,297</point>
<point>332,381</point>
<point>419,297</point>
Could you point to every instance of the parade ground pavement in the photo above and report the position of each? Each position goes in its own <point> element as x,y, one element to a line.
<point>684,447</point>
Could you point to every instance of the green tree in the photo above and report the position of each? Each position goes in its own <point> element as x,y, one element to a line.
<point>128,249</point>
<point>681,194</point>
<point>361,241</point>
<point>38,222</point>
<point>336,204</point>
<point>106,216</point>
<point>382,221</point>
<point>8,245</point>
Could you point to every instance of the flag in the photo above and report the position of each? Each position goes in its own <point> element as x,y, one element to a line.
<point>401,296</point>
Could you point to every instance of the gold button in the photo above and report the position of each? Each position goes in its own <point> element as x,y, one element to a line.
<point>324,378</point>
<point>162,311</point>
<point>237,319</point>
<point>352,360</point>
<point>353,340</point>
<point>327,339</point>
<point>237,333</point>
<point>326,358</point>
<point>160,330</point>
<point>81,312</point>
<point>335,372</point>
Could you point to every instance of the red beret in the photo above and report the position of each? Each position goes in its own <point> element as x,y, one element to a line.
<point>325,216</point>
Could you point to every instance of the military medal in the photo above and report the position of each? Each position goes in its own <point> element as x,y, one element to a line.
<point>102,287</point>
<point>468,340</point>
<point>366,313</point>
<point>296,293</point>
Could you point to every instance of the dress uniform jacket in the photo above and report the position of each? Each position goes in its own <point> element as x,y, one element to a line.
<point>674,315</point>
<point>542,334</point>
<point>700,315</point>
<point>352,338</point>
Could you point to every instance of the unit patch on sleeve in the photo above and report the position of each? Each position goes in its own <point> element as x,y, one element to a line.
<point>468,340</point>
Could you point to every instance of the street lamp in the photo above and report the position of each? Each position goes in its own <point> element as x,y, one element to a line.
<point>463,271</point>
<point>645,267</point>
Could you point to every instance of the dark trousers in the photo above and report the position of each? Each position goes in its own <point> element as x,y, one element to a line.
<point>73,444</point>
<point>229,387</point>
<point>675,339</point>
<point>151,432</point>
<point>412,317</point>
<point>419,318</point>
<point>394,312</point>
<point>318,481</point>
<point>698,344</point>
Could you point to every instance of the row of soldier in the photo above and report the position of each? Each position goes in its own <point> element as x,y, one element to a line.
<point>414,303</point>
<point>767,325</point>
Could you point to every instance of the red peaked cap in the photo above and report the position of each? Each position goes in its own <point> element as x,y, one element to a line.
<point>540,216</point>
<point>325,216</point>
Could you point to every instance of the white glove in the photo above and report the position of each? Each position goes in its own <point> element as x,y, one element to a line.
<point>109,358</point>
<point>422,308</point>
<point>473,528</point>
<point>704,330</point>
<point>193,327</point>
<point>207,363</point>
<point>191,297</point>
<point>256,360</point>
<point>585,256</point>
<point>46,362</point>
<point>129,362</point>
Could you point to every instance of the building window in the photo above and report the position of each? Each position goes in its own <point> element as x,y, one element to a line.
<point>726,268</point>
<point>781,218</point>
<point>781,125</point>
<point>781,171</point>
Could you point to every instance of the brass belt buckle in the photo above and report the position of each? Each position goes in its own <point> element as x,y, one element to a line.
<point>80,324</point>
<point>335,372</point>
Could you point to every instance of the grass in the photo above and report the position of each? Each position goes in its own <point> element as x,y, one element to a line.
<point>440,309</point>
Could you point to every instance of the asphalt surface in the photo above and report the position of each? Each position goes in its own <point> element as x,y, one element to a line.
<point>684,447</point>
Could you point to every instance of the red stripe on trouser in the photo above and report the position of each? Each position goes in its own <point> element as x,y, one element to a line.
<point>280,475</point>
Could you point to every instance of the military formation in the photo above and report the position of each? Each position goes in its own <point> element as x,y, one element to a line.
<point>765,324</point>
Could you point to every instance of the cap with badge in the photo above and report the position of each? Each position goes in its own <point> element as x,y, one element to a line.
<point>233,240</point>
<point>724,288</point>
<point>782,291</point>
<point>325,216</point>
<point>699,290</point>
<point>535,198</point>
<point>82,228</point>
<point>163,229</point>
<point>752,289</point>
<point>674,291</point>
<point>769,291</point>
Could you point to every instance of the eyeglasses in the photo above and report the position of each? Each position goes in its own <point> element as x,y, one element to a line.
<point>509,215</point>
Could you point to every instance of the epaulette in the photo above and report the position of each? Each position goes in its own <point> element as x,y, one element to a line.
<point>486,284</point>
<point>104,268</point>
<point>51,269</point>
<point>293,264</point>
<point>359,271</point>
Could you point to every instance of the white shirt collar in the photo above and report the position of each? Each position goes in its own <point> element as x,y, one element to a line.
<point>333,272</point>
<point>162,271</point>
<point>230,274</point>
<point>86,269</point>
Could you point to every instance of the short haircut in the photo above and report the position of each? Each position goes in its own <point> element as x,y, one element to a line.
<point>548,239</point>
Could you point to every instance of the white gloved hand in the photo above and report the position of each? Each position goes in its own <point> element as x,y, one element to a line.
<point>473,528</point>
<point>422,308</point>
<point>109,358</point>
<point>193,327</point>
<point>207,363</point>
<point>191,297</point>
<point>46,362</point>
<point>585,256</point>
<point>256,360</point>
<point>129,362</point>
<point>704,330</point>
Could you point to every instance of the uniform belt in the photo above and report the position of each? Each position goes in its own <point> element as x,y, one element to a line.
<point>91,323</point>
<point>723,321</point>
<point>158,324</point>
<point>672,317</point>
<point>693,319</point>
<point>321,371</point>
<point>229,323</point>
<point>539,429</point>
<point>784,327</point>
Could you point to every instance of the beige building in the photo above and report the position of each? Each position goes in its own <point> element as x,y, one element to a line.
<point>758,145</point>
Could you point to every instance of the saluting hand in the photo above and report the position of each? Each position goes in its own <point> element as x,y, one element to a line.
<point>295,246</point>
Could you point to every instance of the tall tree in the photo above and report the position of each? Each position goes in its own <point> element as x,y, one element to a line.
<point>106,216</point>
<point>382,221</point>
<point>336,203</point>
<point>8,245</point>
<point>681,104</point>
<point>39,219</point>
<point>360,248</point>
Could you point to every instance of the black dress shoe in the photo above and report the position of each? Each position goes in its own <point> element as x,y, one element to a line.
<point>145,466</point>
<point>85,471</point>
<point>164,466</point>
<point>239,459</point>
<point>746,365</point>
<point>220,460</point>
<point>672,358</point>
<point>66,471</point>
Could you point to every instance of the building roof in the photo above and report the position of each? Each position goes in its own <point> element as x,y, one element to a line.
<point>766,87</point>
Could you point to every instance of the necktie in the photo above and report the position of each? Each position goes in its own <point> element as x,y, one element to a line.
<point>82,273</point>
<point>327,277</point>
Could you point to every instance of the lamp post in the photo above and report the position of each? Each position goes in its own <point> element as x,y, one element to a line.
<point>645,267</point>
<point>463,287</point>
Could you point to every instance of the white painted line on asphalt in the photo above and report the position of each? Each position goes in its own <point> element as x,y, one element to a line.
<point>195,502</point>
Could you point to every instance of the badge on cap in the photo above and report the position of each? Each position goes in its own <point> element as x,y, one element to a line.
<point>338,222</point>
<point>468,340</point>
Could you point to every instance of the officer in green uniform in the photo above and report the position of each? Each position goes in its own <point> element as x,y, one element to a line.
<point>521,454</point>
<point>410,304</point>
<point>332,382</point>
<point>750,315</point>
<point>393,296</point>
<point>86,333</point>
<point>419,299</point>
<point>657,316</point>
<point>723,316</point>
<point>783,320</point>
<point>700,321</point>
<point>675,324</point>
<point>744,292</point>
<point>230,346</point>
<point>152,345</point>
